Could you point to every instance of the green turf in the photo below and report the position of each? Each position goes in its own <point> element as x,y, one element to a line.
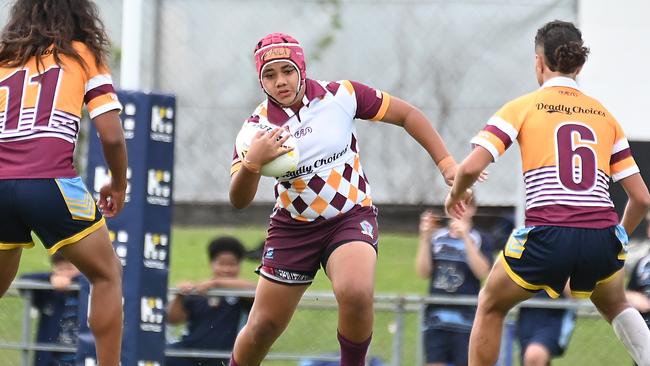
<point>313,331</point>
<point>594,343</point>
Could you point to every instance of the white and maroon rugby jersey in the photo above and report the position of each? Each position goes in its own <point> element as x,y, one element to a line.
<point>329,179</point>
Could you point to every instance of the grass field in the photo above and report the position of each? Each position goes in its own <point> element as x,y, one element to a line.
<point>313,331</point>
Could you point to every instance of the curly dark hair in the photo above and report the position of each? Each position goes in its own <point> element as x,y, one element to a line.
<point>35,25</point>
<point>563,47</point>
<point>226,244</point>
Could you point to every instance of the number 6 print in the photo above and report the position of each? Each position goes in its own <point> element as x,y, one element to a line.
<point>576,160</point>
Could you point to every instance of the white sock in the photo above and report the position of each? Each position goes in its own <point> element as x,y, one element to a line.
<point>632,330</point>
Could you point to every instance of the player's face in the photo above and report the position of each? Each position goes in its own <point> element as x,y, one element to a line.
<point>280,80</point>
<point>225,265</point>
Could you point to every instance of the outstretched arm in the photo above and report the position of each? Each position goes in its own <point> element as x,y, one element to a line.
<point>401,113</point>
<point>468,173</point>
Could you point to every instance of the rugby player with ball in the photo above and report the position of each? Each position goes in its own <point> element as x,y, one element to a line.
<point>324,215</point>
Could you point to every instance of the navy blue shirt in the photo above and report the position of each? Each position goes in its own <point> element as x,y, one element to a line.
<point>640,280</point>
<point>452,276</point>
<point>213,322</point>
<point>57,321</point>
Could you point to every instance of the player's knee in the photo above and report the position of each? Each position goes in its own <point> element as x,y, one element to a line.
<point>490,304</point>
<point>264,329</point>
<point>612,311</point>
<point>110,272</point>
<point>536,355</point>
<point>486,303</point>
<point>119,271</point>
<point>114,270</point>
<point>611,307</point>
<point>354,298</point>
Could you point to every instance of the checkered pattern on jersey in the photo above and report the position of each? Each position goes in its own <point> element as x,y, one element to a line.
<point>325,196</point>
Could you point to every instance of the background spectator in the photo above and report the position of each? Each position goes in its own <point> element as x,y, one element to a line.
<point>455,258</point>
<point>212,322</point>
<point>57,311</point>
<point>544,333</point>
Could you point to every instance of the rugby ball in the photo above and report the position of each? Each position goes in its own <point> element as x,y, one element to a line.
<point>277,167</point>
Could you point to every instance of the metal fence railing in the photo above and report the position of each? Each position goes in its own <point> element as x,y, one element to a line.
<point>396,339</point>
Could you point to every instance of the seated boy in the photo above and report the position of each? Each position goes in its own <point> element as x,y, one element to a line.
<point>212,322</point>
<point>57,311</point>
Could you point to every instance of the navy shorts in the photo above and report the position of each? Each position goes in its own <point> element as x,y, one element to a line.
<point>550,327</point>
<point>59,211</point>
<point>294,250</point>
<point>546,257</point>
<point>446,346</point>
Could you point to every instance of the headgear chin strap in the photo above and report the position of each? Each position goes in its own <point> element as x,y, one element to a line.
<point>277,47</point>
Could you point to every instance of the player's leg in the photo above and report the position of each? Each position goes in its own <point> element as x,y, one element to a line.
<point>498,296</point>
<point>351,268</point>
<point>96,259</point>
<point>629,326</point>
<point>290,260</point>
<point>349,261</point>
<point>609,297</point>
<point>14,235</point>
<point>533,259</point>
<point>601,277</point>
<point>64,216</point>
<point>9,260</point>
<point>272,310</point>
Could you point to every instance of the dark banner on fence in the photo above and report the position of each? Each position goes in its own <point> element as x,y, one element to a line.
<point>141,233</point>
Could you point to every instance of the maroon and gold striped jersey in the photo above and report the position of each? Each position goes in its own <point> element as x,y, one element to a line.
<point>570,148</point>
<point>40,112</point>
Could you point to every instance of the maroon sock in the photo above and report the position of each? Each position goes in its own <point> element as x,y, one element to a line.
<point>353,354</point>
<point>232,361</point>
